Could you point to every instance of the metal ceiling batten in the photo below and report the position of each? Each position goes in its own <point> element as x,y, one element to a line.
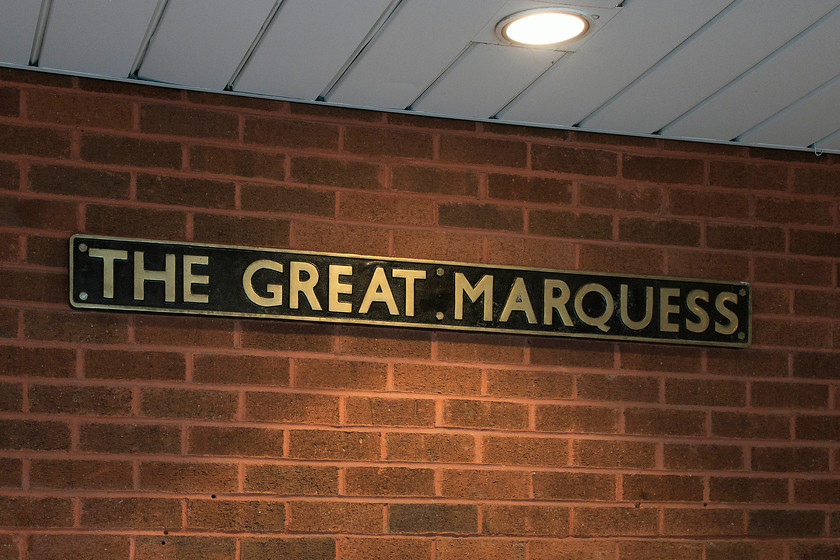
<point>272,15</point>
<point>40,32</point>
<point>154,24</point>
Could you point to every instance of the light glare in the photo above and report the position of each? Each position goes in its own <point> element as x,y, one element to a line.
<point>544,28</point>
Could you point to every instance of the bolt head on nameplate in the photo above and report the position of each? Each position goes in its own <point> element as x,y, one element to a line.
<point>110,273</point>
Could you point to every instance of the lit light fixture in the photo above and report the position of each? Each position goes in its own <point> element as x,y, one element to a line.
<point>542,27</point>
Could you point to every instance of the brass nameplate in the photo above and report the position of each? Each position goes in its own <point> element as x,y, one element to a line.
<point>170,277</point>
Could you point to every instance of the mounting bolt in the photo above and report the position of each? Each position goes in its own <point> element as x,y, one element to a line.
<point>83,247</point>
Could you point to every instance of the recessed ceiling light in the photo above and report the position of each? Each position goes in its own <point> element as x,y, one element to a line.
<point>542,27</point>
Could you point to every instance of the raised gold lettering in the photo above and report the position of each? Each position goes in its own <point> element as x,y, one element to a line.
<point>191,279</point>
<point>410,277</point>
<point>337,287</point>
<point>720,307</point>
<point>141,276</point>
<point>518,300</point>
<point>379,291</point>
<point>108,257</point>
<point>275,290</point>
<point>484,288</point>
<point>298,286</point>
<point>702,322</point>
<point>625,303</point>
<point>609,308</point>
<point>552,302</point>
<point>666,309</point>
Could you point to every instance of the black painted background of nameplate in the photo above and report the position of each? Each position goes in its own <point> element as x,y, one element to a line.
<point>433,295</point>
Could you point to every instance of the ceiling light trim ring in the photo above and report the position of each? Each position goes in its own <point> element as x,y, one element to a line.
<point>586,23</point>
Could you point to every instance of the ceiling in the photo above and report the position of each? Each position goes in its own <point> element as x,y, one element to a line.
<point>751,72</point>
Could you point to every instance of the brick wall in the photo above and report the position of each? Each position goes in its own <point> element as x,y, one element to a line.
<point>133,436</point>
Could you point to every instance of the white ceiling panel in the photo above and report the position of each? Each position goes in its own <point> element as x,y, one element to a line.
<point>17,29</point>
<point>484,80</point>
<point>734,42</point>
<point>809,120</point>
<point>421,40</point>
<point>118,27</point>
<point>301,52</point>
<point>612,59</point>
<point>202,43</point>
<point>806,63</point>
<point>830,143</point>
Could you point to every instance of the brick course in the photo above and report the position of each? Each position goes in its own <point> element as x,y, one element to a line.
<point>132,436</point>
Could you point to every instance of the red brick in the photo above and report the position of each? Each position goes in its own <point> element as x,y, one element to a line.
<point>19,511</point>
<point>9,101</point>
<point>187,121</point>
<point>185,403</point>
<point>708,204</point>
<point>660,421</point>
<point>434,379</point>
<point>240,163</point>
<point>182,191</point>
<point>335,517</point>
<point>46,250</point>
<point>371,411</point>
<point>360,548</point>
<point>134,152</point>
<point>11,471</point>
<point>577,419</point>
<point>703,522</point>
<point>566,486</point>
<point>184,548</point>
<point>573,549</point>
<point>486,549</point>
<point>316,444</point>
<point>786,523</point>
<point>614,454</point>
<point>9,175</point>
<point>31,434</point>
<point>378,141</point>
<point>750,426</point>
<point>341,238</point>
<point>244,442</point>
<point>620,197</point>
<point>744,550</point>
<point>287,200</point>
<point>819,491</point>
<point>608,387</point>
<point>789,395</point>
<point>816,365</point>
<point>36,213</point>
<point>79,181</point>
<point>34,141</point>
<point>533,252</point>
<point>130,438</point>
<point>662,169</point>
<point>662,488</point>
<point>621,259</point>
<point>814,551</point>
<point>530,189</point>
<point>384,342</point>
<point>336,173</point>
<point>241,230</point>
<point>705,392</point>
<point>789,459</point>
<point>77,547</point>
<point>291,133</point>
<point>402,119</point>
<point>241,369</point>
<point>223,100</point>
<point>119,364</point>
<point>749,490</point>
<point>77,474</point>
<point>169,330</point>
<point>143,223</point>
<point>64,399</point>
<point>793,211</point>
<point>657,358</point>
<point>291,408</point>
<point>380,209</point>
<point>549,452</point>
<point>188,477</point>
<point>64,108</point>
<point>659,550</point>
<point>432,518</point>
<point>340,374</point>
<point>570,224</point>
<point>814,180</point>
<point>485,414</point>
<point>227,515</point>
<point>815,303</point>
<point>614,521</point>
<point>525,520</point>
<point>437,447</point>
<point>751,362</point>
<point>25,285</point>
<point>452,182</point>
<point>711,265</point>
<point>316,548</point>
<point>818,428</point>
<point>818,243</point>
<point>11,397</point>
<point>483,485</point>
<point>745,237</point>
<point>10,251</point>
<point>793,271</point>
<point>131,513</point>
<point>279,336</point>
<point>562,159</point>
<point>659,232</point>
<point>480,216</point>
<point>480,348</point>
<point>482,151</point>
<point>446,246</point>
<point>529,384</point>
<point>748,176</point>
<point>707,457</point>
<point>9,545</point>
<point>771,300</point>
<point>392,481</point>
<point>301,480</point>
